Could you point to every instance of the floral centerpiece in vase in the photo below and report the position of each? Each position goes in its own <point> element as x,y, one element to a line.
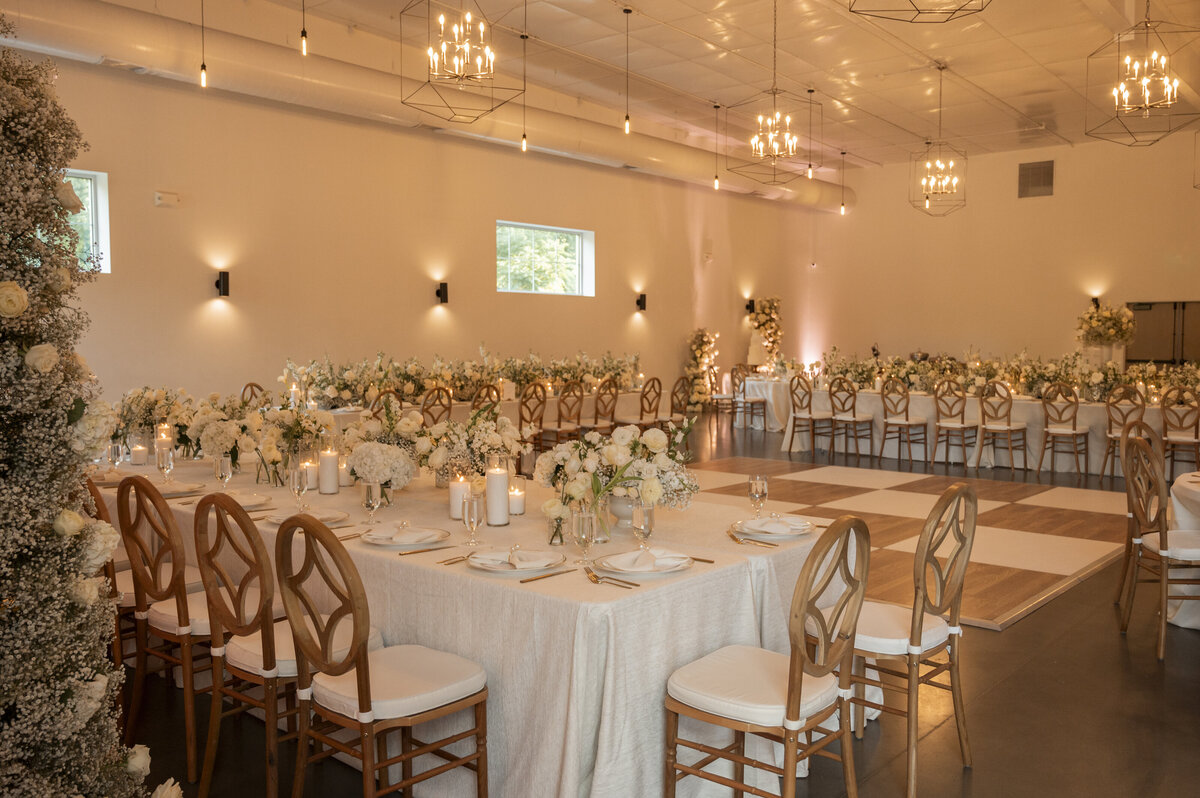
<point>702,353</point>
<point>287,433</point>
<point>765,321</point>
<point>381,467</point>
<point>452,447</point>
<point>596,469</point>
<point>1108,330</point>
<point>141,409</point>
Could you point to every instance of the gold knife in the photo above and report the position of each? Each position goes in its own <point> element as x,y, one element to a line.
<point>547,576</point>
<point>422,551</point>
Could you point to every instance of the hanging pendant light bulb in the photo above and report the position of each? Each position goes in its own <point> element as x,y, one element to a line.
<point>303,28</point>
<point>938,173</point>
<point>524,74</point>
<point>716,161</point>
<point>810,136</point>
<point>627,11</point>
<point>203,66</point>
<point>843,209</point>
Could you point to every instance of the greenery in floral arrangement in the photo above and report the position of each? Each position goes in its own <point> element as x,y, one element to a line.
<point>1105,325</point>
<point>407,379</point>
<point>141,409</point>
<point>765,320</point>
<point>457,448</point>
<point>464,378</point>
<point>861,372</point>
<point>58,717</point>
<point>702,353</point>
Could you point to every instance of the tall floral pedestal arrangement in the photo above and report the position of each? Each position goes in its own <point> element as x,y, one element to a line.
<point>766,325</point>
<point>58,722</point>
<point>1104,331</point>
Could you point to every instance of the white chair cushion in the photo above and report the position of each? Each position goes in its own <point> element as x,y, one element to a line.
<point>1185,544</point>
<point>999,427</point>
<point>747,684</point>
<point>820,415</point>
<point>635,421</point>
<point>912,421</point>
<point>1180,438</point>
<point>162,614</point>
<point>956,425</point>
<point>884,629</point>
<point>567,427</point>
<point>405,680</point>
<point>722,396</point>
<point>1066,431</point>
<point>245,651</point>
<point>857,418</point>
<point>603,425</point>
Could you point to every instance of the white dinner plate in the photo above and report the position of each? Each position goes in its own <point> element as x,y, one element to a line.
<point>174,490</point>
<point>772,528</point>
<point>249,500</point>
<point>110,479</point>
<point>385,538</point>
<point>611,564</point>
<point>506,567</point>
<point>327,517</point>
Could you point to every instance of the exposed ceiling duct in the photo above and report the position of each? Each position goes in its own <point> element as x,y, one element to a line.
<point>103,33</point>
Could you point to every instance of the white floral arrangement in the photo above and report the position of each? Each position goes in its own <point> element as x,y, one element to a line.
<point>59,734</point>
<point>141,409</point>
<point>702,354</point>
<point>1105,325</point>
<point>381,463</point>
<point>465,448</point>
<point>766,321</point>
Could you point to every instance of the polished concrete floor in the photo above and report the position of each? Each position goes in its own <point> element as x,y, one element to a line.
<point>1059,704</point>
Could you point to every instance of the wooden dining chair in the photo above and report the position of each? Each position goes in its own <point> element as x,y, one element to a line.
<point>897,422</point>
<point>371,693</point>
<point>531,413</point>
<point>436,406</point>
<point>950,420</point>
<point>804,418</point>
<point>382,404</point>
<point>995,423</point>
<point>1136,428</point>
<point>843,399</point>
<point>162,606</point>
<point>488,394</point>
<point>1124,403</point>
<point>1158,549</point>
<point>722,402</point>
<point>799,701</point>
<point>681,392</point>
<point>251,391</point>
<point>904,641</point>
<point>1181,425</point>
<point>1060,405</point>
<point>647,407</point>
<point>747,407</point>
<point>123,622</point>
<point>604,415</point>
<point>570,408</point>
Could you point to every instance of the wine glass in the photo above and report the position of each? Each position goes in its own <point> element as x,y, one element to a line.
<point>643,523</point>
<point>164,457</point>
<point>757,488</point>
<point>472,515</point>
<point>372,498</point>
<point>583,529</point>
<point>113,454</point>
<point>298,481</point>
<point>224,471</point>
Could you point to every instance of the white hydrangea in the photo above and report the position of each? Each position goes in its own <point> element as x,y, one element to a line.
<point>92,432</point>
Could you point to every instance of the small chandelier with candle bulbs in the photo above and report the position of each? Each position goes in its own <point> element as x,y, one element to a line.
<point>464,54</point>
<point>937,176</point>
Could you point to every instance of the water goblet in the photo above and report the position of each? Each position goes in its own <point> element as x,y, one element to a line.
<point>756,487</point>
<point>224,470</point>
<point>298,481</point>
<point>643,523</point>
<point>583,529</point>
<point>472,515</point>
<point>164,457</point>
<point>372,498</point>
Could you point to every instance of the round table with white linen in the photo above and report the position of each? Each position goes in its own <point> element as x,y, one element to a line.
<point>1185,505</point>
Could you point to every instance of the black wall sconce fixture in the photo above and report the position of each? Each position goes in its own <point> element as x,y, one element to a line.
<point>222,283</point>
<point>443,293</point>
<point>749,305</point>
<point>641,302</point>
<point>1096,302</point>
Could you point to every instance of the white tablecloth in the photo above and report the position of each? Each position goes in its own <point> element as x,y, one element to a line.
<point>779,403</point>
<point>628,404</point>
<point>1092,417</point>
<point>1185,504</point>
<point>577,672</point>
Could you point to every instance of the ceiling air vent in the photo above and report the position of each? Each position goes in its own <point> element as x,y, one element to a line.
<point>1036,179</point>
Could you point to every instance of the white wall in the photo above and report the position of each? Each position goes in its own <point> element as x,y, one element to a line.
<point>1004,274</point>
<point>336,230</point>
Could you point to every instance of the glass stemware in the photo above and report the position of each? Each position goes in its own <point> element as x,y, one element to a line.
<point>756,487</point>
<point>583,529</point>
<point>472,515</point>
<point>643,523</point>
<point>372,498</point>
<point>164,457</point>
<point>298,481</point>
<point>224,470</point>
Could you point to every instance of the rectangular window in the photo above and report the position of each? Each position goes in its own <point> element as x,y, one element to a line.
<point>91,223</point>
<point>535,259</point>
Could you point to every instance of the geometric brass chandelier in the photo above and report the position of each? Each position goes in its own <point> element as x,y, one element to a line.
<point>918,10</point>
<point>937,174</point>
<point>1133,86</point>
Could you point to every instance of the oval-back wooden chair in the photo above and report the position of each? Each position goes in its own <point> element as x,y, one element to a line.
<point>1181,425</point>
<point>1060,405</point>
<point>950,420</point>
<point>939,570</point>
<point>745,406</point>
<point>251,391</point>
<point>604,416</point>
<point>436,406</point>
<point>570,408</point>
<point>995,423</point>
<point>531,413</point>
<point>843,400</point>
<point>488,394</point>
<point>647,406</point>
<point>381,403</point>
<point>804,418</point>
<point>120,594</point>
<point>337,685</point>
<point>1135,428</point>
<point>1124,403</point>
<point>897,422</point>
<point>681,392</point>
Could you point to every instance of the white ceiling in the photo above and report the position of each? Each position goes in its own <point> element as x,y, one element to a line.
<point>1015,74</point>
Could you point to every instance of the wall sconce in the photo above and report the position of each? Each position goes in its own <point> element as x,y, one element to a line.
<point>443,293</point>
<point>749,305</point>
<point>1096,302</point>
<point>641,302</point>
<point>222,283</point>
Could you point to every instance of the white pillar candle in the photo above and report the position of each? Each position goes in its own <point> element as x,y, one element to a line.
<point>312,476</point>
<point>345,478</point>
<point>327,478</point>
<point>497,496</point>
<point>138,455</point>
<point>458,489</point>
<point>294,395</point>
<point>516,501</point>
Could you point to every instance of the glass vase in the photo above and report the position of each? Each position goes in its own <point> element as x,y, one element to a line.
<point>554,526</point>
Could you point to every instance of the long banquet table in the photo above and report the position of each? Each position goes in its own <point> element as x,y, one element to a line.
<point>577,672</point>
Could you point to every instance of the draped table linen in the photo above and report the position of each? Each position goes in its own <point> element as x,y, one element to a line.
<point>1185,505</point>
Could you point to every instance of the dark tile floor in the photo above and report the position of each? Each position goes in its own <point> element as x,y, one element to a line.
<point>1060,704</point>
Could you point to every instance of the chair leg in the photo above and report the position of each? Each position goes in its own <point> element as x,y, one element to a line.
<point>405,746</point>
<point>271,705</point>
<point>960,714</point>
<point>672,732</point>
<point>847,748</point>
<point>214,730</point>
<point>914,684</point>
<point>1131,575</point>
<point>858,670</point>
<point>1042,454</point>
<point>1163,581</point>
<point>481,764</point>
<point>1124,569</point>
<point>366,739</point>
<point>189,705</point>
<point>790,755</point>
<point>381,756</point>
<point>301,748</point>
<point>739,769</point>
<point>139,682</point>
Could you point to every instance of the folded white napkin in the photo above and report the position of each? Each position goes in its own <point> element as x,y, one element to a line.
<point>417,535</point>
<point>655,559</point>
<point>248,498</point>
<point>777,526</point>
<point>325,517</point>
<point>520,559</point>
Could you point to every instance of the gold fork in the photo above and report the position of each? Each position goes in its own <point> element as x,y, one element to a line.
<point>750,542</point>
<point>608,580</point>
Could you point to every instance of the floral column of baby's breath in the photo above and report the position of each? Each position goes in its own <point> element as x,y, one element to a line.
<point>58,731</point>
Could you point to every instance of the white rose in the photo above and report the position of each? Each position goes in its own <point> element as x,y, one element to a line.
<point>68,523</point>
<point>438,458</point>
<point>101,543</point>
<point>58,279</point>
<point>89,697</point>
<point>576,488</point>
<point>138,762</point>
<point>168,789</point>
<point>623,436</point>
<point>13,299</point>
<point>84,592</point>
<point>616,455</point>
<point>65,193</point>
<point>655,439</point>
<point>42,358</point>
<point>423,445</point>
<point>331,392</point>
<point>438,429</point>
<point>651,490</point>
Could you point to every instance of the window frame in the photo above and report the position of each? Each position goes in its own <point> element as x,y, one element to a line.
<point>586,253</point>
<point>101,239</point>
